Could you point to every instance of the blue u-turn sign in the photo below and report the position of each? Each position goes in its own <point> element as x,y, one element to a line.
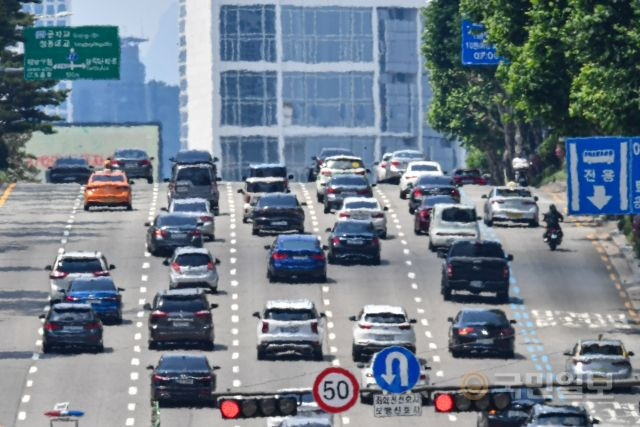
<point>396,369</point>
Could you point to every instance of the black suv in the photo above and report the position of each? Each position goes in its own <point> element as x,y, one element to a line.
<point>181,315</point>
<point>278,212</point>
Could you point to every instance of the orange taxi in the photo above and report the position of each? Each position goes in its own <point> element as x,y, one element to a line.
<point>107,188</point>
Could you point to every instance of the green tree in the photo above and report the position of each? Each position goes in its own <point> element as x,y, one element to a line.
<point>21,101</point>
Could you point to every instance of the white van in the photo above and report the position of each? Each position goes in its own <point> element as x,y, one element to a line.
<point>452,222</point>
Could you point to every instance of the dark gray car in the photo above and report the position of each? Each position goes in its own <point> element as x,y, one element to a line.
<point>173,230</point>
<point>195,180</point>
<point>70,325</point>
<point>135,162</point>
<point>181,315</point>
<point>342,186</point>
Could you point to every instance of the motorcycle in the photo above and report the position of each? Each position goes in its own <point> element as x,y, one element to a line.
<point>521,178</point>
<point>553,238</point>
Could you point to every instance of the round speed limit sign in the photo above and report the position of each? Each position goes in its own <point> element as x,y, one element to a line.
<point>335,390</point>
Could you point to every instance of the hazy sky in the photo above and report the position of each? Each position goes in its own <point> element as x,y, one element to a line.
<point>156,20</point>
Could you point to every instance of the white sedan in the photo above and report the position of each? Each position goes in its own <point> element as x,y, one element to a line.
<point>414,171</point>
<point>365,208</point>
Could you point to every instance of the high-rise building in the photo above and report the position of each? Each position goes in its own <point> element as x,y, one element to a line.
<point>54,13</point>
<point>276,81</point>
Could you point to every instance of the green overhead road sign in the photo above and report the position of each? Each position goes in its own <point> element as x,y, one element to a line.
<point>71,53</point>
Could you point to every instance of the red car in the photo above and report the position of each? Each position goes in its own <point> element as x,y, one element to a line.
<point>423,213</point>
<point>468,176</point>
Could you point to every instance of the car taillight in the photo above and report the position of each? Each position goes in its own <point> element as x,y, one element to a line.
<point>506,332</point>
<point>423,377</point>
<point>160,378</point>
<point>196,233</point>
<point>377,215</point>
<point>375,241</point>
<point>155,315</point>
<point>93,325</point>
<point>176,267</point>
<point>333,190</point>
<point>344,215</point>
<point>455,193</point>
<point>265,327</point>
<point>505,271</point>
<point>279,256</point>
<point>58,275</point>
<point>161,233</point>
<point>383,164</point>
<point>465,331</point>
<point>364,325</point>
<point>449,271</point>
<point>314,327</point>
<point>71,298</point>
<point>101,273</point>
<point>319,257</point>
<point>144,163</point>
<point>203,313</point>
<point>335,241</point>
<point>326,173</point>
<point>417,193</point>
<point>115,163</point>
<point>405,327</point>
<point>211,266</point>
<point>52,326</point>
<point>424,213</point>
<point>206,218</point>
<point>395,163</point>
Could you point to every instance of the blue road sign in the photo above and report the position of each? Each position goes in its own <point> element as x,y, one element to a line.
<point>396,369</point>
<point>603,175</point>
<point>474,49</point>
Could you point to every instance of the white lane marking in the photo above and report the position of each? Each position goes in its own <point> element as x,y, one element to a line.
<point>233,273</point>
<point>408,262</point>
<point>411,275</point>
<point>234,297</point>
<point>26,398</point>
<point>421,310</point>
<point>233,260</point>
<point>60,250</point>
<point>234,331</point>
<point>332,336</point>
<point>138,324</point>
<point>63,241</point>
<point>235,319</point>
<point>325,289</point>
<point>234,307</point>
<point>433,346</point>
<point>414,286</point>
<point>428,334</point>
<point>141,301</point>
<point>235,369</point>
<point>136,349</point>
<point>130,422</point>
<point>330,325</point>
<point>335,362</point>
<point>327,302</point>
<point>141,314</point>
<point>33,369</point>
<point>424,322</point>
<point>436,358</point>
<point>329,313</point>
<point>35,356</point>
<point>131,406</point>
<point>133,390</point>
<point>333,349</point>
<point>237,383</point>
<point>134,376</point>
<point>418,299</point>
<point>135,361</point>
<point>145,265</point>
<point>235,356</point>
<point>235,343</point>
<point>40,331</point>
<point>234,282</point>
<point>22,416</point>
<point>452,418</point>
<point>144,278</point>
<point>29,383</point>
<point>345,420</point>
<point>232,250</point>
<point>406,251</point>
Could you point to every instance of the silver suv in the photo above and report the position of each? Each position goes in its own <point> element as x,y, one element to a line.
<point>290,326</point>
<point>71,265</point>
<point>198,208</point>
<point>379,326</point>
<point>193,268</point>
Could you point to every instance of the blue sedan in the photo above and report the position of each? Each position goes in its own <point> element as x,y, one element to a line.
<point>101,293</point>
<point>296,256</point>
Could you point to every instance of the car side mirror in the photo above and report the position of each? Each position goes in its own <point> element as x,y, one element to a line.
<point>256,315</point>
<point>376,163</point>
<point>164,209</point>
<point>240,191</point>
<point>353,318</point>
<point>112,267</point>
<point>287,191</point>
<point>212,306</point>
<point>328,229</point>
<point>146,306</point>
<point>360,365</point>
<point>450,319</point>
<point>374,185</point>
<point>510,257</point>
<point>62,291</point>
<point>91,167</point>
<point>215,368</point>
<point>323,315</point>
<point>165,262</point>
<point>535,198</point>
<point>172,159</point>
<point>147,224</point>
<point>267,247</point>
<point>368,170</point>
<point>386,208</point>
<point>130,182</point>
<point>303,204</point>
<point>42,316</point>
<point>166,180</point>
<point>567,353</point>
<point>325,247</point>
<point>121,289</point>
<point>151,158</point>
<point>48,268</point>
<point>630,353</point>
<point>215,159</point>
<point>290,176</point>
<point>484,196</point>
<point>314,157</point>
<point>513,321</point>
<point>478,217</point>
<point>218,178</point>
<point>217,261</point>
<point>150,367</point>
<point>595,421</point>
<point>426,367</point>
<point>199,223</point>
<point>244,178</point>
<point>444,172</point>
<point>413,321</point>
<point>49,167</point>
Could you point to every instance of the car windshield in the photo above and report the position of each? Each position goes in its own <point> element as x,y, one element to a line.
<point>601,349</point>
<point>349,180</point>
<point>434,180</point>
<point>433,200</point>
<point>424,168</point>
<point>385,318</point>
<point>196,176</point>
<point>512,192</point>
<point>130,154</point>
<point>71,315</point>
<point>71,162</point>
<point>280,202</point>
<point>107,178</point>
<point>353,227</point>
<point>268,171</point>
<point>458,215</point>
<point>298,245</point>
<point>361,204</point>
<point>193,260</point>
<point>289,314</point>
<point>492,317</point>
<point>560,420</point>
<point>79,265</point>
<point>476,249</point>
<point>92,285</point>
<point>266,187</point>
<point>344,164</point>
<point>176,221</point>
<point>408,155</point>
<point>169,304</point>
<point>177,363</point>
<point>189,207</point>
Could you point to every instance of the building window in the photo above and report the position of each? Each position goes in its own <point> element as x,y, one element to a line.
<point>326,34</point>
<point>329,99</point>
<point>239,152</point>
<point>248,98</point>
<point>399,102</point>
<point>247,33</point>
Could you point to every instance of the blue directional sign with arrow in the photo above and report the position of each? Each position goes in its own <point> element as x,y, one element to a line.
<point>603,175</point>
<point>396,369</point>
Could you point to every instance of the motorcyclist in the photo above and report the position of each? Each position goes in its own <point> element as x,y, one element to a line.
<point>552,219</point>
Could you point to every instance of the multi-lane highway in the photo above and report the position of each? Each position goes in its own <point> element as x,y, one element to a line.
<point>556,297</point>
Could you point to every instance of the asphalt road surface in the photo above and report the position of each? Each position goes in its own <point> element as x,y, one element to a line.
<point>556,297</point>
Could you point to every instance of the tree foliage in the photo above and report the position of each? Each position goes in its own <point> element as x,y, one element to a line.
<point>21,101</point>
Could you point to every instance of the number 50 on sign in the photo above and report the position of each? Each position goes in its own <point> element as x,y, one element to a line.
<point>335,390</point>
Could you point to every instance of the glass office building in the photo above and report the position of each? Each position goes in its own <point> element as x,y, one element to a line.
<point>277,82</point>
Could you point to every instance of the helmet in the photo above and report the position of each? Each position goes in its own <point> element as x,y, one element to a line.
<point>553,208</point>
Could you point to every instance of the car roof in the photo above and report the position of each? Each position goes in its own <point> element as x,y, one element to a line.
<point>424,162</point>
<point>184,292</point>
<point>80,254</point>
<point>359,199</point>
<point>277,195</point>
<point>183,356</point>
<point>603,342</point>
<point>71,306</point>
<point>407,151</point>
<point>442,206</point>
<point>192,156</point>
<point>174,214</point>
<point>71,158</point>
<point>337,150</point>
<point>93,279</point>
<point>266,165</point>
<point>354,221</point>
<point>481,310</point>
<point>130,149</point>
<point>286,237</point>
<point>511,187</point>
<point>191,250</point>
<point>200,165</point>
<point>558,409</point>
<point>343,157</point>
<point>300,304</point>
<point>383,308</point>
<point>268,179</point>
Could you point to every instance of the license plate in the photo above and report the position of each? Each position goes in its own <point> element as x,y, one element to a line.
<point>68,178</point>
<point>290,330</point>
<point>384,337</point>
<point>514,215</point>
<point>349,194</point>
<point>278,222</point>
<point>300,257</point>
<point>554,236</point>
<point>73,328</point>
<point>181,324</point>
<point>355,242</point>
<point>179,235</point>
<point>184,380</point>
<point>129,166</point>
<point>485,341</point>
<point>476,284</point>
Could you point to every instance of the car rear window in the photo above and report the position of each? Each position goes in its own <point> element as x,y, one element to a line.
<point>71,315</point>
<point>353,227</point>
<point>298,245</point>
<point>408,155</point>
<point>468,172</point>
<point>458,215</point>
<point>92,285</point>
<point>561,420</point>
<point>602,349</point>
<point>183,364</point>
<point>349,180</point>
<point>385,318</point>
<point>71,162</point>
<point>489,317</point>
<point>344,164</point>
<point>192,156</point>
<point>433,200</point>
<point>130,154</point>
<point>361,204</point>
<point>282,201</point>
<point>176,221</point>
<point>516,192</point>
<point>79,265</point>
<point>434,180</point>
<point>171,304</point>
<point>189,207</point>
<point>477,249</point>
<point>196,176</point>
<point>424,168</point>
<point>265,187</point>
<point>334,152</point>
<point>289,314</point>
<point>107,178</point>
<point>193,260</point>
<point>268,171</point>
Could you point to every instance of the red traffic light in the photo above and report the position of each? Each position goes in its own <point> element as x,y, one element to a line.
<point>443,403</point>
<point>229,409</point>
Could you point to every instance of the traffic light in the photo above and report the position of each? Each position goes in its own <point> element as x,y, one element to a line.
<point>468,400</point>
<point>255,407</point>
